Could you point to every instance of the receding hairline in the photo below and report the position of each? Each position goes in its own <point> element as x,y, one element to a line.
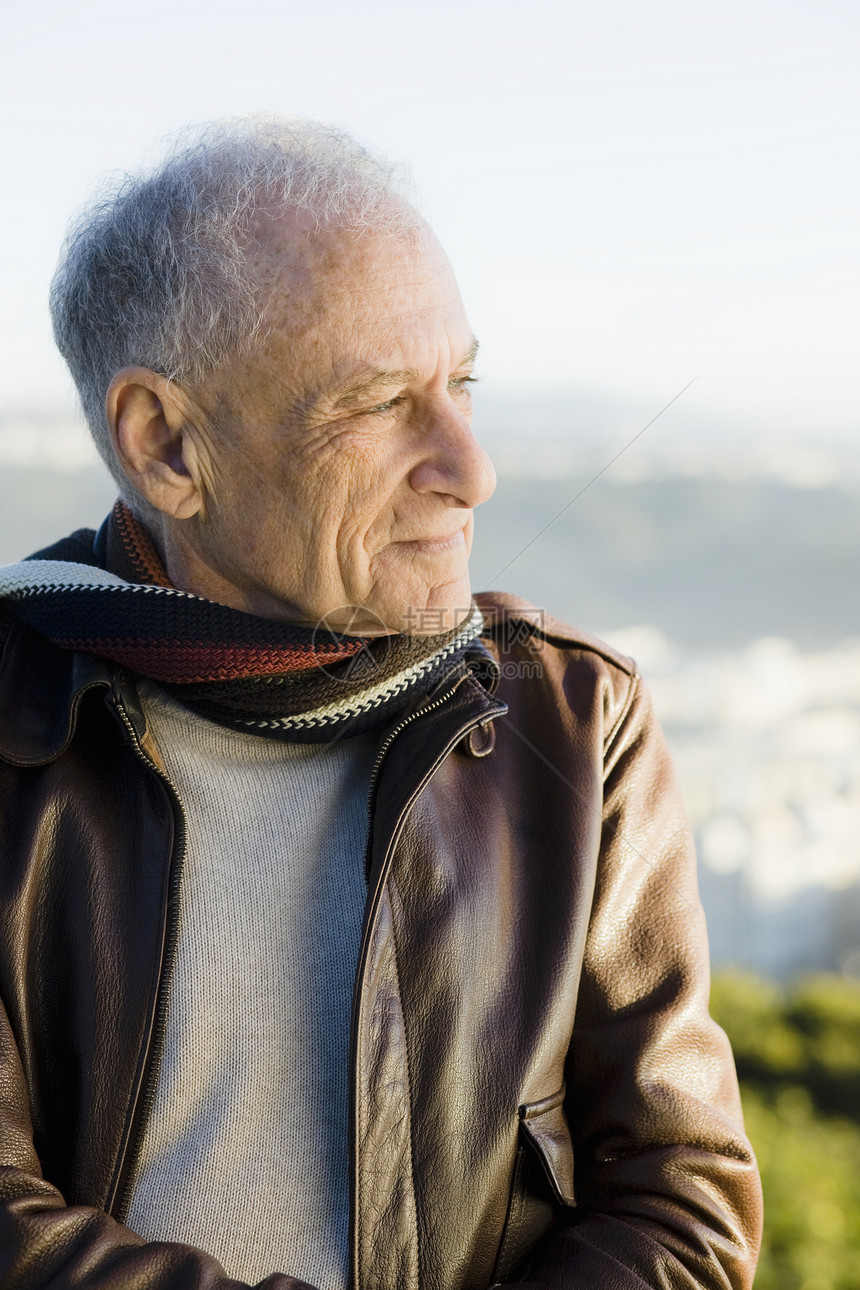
<point>292,260</point>
<point>279,237</point>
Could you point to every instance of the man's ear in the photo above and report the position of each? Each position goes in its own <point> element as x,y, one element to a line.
<point>149,427</point>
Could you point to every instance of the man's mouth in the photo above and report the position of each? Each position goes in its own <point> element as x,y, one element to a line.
<point>437,545</point>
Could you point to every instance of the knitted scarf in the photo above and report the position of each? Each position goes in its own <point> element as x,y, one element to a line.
<point>108,594</point>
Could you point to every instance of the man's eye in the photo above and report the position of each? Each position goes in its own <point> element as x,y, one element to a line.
<point>460,384</point>
<point>387,406</point>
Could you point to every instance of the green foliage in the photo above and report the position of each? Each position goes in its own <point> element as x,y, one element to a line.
<point>810,1167</point>
<point>798,1055</point>
<point>808,1035</point>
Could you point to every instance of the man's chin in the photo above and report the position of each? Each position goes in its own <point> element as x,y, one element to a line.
<point>438,614</point>
<point>432,620</point>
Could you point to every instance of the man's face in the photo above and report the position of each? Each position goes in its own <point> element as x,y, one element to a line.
<point>343,471</point>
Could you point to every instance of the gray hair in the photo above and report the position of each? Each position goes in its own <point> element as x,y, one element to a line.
<point>154,273</point>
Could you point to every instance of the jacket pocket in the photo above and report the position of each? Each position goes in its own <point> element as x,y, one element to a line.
<point>544,1124</point>
<point>542,1183</point>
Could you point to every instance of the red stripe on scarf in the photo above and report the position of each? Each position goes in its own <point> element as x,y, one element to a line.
<point>139,548</point>
<point>183,664</point>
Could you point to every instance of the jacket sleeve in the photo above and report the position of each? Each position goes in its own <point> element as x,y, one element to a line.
<point>667,1189</point>
<point>47,1245</point>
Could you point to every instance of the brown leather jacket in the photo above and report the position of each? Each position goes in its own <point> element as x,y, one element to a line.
<point>538,1091</point>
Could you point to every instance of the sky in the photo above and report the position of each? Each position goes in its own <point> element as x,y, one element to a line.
<point>632,194</point>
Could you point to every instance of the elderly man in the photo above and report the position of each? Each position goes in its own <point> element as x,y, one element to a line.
<point>350,933</point>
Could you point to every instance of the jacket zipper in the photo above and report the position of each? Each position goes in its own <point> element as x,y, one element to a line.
<point>421,711</point>
<point>119,1201</point>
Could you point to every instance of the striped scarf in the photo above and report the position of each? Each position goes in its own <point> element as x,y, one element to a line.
<point>108,594</point>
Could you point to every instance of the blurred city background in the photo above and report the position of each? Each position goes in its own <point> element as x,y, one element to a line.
<point>633,196</point>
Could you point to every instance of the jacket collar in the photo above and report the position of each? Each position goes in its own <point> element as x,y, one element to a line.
<point>41,687</point>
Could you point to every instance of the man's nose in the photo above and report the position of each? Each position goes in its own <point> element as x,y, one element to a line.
<point>452,461</point>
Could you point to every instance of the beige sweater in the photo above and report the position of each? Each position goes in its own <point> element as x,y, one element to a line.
<point>245,1153</point>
